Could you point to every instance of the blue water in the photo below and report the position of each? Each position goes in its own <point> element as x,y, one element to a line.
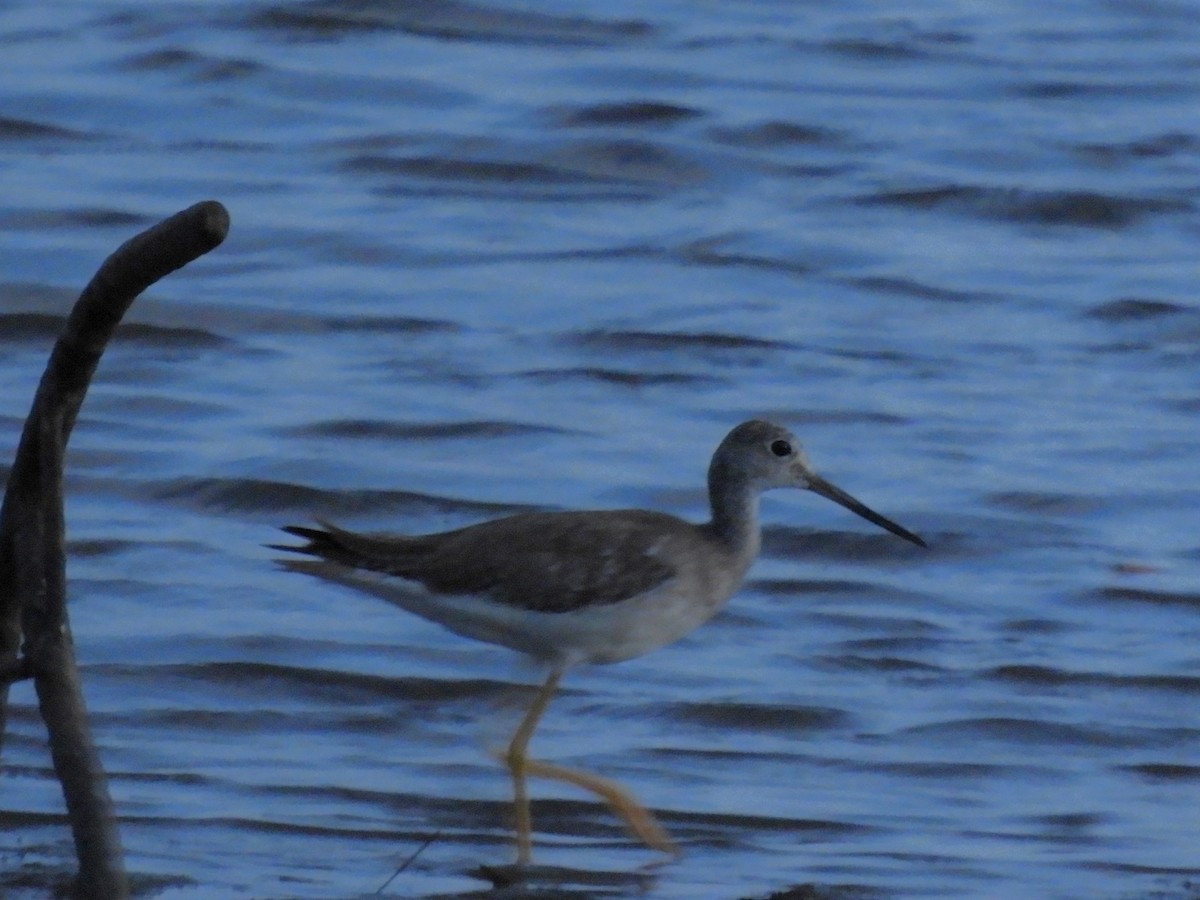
<point>489,256</point>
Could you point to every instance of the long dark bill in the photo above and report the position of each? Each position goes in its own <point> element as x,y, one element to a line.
<point>819,485</point>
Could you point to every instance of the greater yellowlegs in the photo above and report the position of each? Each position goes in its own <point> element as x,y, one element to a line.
<point>581,587</point>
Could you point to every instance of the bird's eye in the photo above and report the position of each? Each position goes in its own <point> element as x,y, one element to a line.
<point>781,448</point>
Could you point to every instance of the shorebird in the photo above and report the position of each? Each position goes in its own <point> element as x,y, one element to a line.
<point>575,587</point>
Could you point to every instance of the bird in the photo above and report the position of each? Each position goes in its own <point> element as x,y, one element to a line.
<point>577,587</point>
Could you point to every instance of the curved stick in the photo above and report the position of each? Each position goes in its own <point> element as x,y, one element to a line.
<point>32,554</point>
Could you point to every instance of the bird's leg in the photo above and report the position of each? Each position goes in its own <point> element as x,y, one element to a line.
<point>518,764</point>
<point>640,820</point>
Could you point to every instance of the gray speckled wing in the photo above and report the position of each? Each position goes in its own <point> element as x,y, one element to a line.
<point>549,562</point>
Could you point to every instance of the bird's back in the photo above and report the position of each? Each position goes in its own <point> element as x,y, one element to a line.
<point>543,561</point>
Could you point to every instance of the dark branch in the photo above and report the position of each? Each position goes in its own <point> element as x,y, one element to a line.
<point>136,264</point>
<point>20,669</point>
<point>32,545</point>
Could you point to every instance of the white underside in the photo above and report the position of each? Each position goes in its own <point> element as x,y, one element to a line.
<point>599,634</point>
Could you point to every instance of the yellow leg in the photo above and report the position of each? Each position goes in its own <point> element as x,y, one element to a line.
<point>639,819</point>
<point>518,764</point>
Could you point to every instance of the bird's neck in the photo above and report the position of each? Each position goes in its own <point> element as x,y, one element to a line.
<point>734,514</point>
